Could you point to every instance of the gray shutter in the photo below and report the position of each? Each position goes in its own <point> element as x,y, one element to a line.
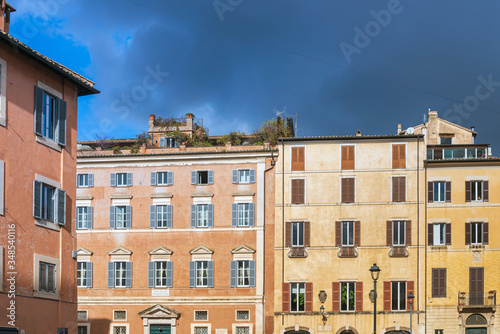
<point>37,196</point>
<point>170,274</point>
<point>153,178</point>
<point>151,274</point>
<point>60,207</point>
<point>234,274</point>
<point>78,181</point>
<point>251,220</point>
<point>113,179</point>
<point>234,214</point>
<point>252,175</point>
<point>152,217</point>
<point>210,268</point>
<point>128,216</point>
<point>235,176</point>
<point>112,217</point>
<point>193,177</point>
<point>91,180</point>
<point>193,215</point>
<point>169,216</point>
<point>111,274</point>
<point>170,178</point>
<point>90,217</point>
<point>128,274</point>
<point>89,274</point>
<point>163,141</point>
<point>210,177</point>
<point>61,113</point>
<point>38,110</point>
<point>210,215</point>
<point>129,179</point>
<point>252,274</point>
<point>77,220</point>
<point>192,274</point>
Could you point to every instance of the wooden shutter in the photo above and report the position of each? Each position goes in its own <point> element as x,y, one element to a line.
<point>234,214</point>
<point>486,196</point>
<point>151,274</point>
<point>129,179</point>
<point>285,299</point>
<point>387,296</point>
<point>347,159</point>
<point>307,234</point>
<point>430,192</point>
<point>153,178</point>
<point>60,211</point>
<point>485,233</point>
<point>128,216</point>
<point>61,122</point>
<point>251,278</point>
<point>210,215</point>
<point>38,110</point>
<point>357,233</point>
<point>298,158</point>
<point>448,233</point>
<point>170,274</point>
<point>435,282</point>
<point>90,217</point>
<point>91,180</point>
<point>251,214</point>
<point>395,189</point>
<point>152,217</point>
<point>37,199</point>
<point>170,209</point>
<point>170,178</point>
<point>448,192</point>
<point>194,174</point>
<point>111,274</point>
<point>336,297</point>
<point>288,234</point>
<point>338,233</point>
<point>210,177</point>
<point>233,274</point>
<point>359,296</point>
<point>399,156</point>
<point>388,235</point>
<point>348,190</point>
<point>408,233</point>
<point>351,190</point>
<point>235,176</point>
<point>252,175</point>
<point>467,191</point>
<point>467,233</point>
<point>112,217</point>
<point>194,208</point>
<point>344,190</point>
<point>89,274</point>
<point>210,271</point>
<point>309,296</point>
<point>430,234</point>
<point>298,191</point>
<point>399,189</point>
<point>113,180</point>
<point>192,274</point>
<point>410,289</point>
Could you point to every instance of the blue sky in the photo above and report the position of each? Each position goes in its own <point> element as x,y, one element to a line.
<point>341,66</point>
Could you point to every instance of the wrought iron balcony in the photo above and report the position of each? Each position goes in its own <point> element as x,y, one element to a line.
<point>444,152</point>
<point>477,300</point>
<point>347,251</point>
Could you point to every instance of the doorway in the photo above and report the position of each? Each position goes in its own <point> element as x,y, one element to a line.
<point>159,329</point>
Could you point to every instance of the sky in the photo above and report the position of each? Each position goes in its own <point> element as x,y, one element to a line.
<point>339,65</point>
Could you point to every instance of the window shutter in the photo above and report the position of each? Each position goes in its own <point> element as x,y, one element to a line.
<point>210,177</point>
<point>395,189</point>
<point>307,234</point>
<point>402,156</point>
<point>252,274</point>
<point>288,237</point>
<point>170,178</point>
<point>443,282</point>
<point>301,191</point>
<point>151,274</point>
<point>234,214</point>
<point>357,233</point>
<point>359,296</point>
<point>408,232</point>
<point>485,233</point>
<point>163,141</point>
<point>387,296</point>
<point>77,219</point>
<point>467,233</point>
<point>235,176</point>
<point>89,274</point>
<point>152,217</point>
<point>435,282</point>
<point>399,156</point>
<point>170,209</point>
<point>251,215</point>
<point>430,234</point>
<point>336,297</point>
<point>113,180</point>
<point>60,206</point>
<point>430,192</point>
<point>295,192</point>
<point>91,180</point>
<point>153,178</point>
<point>234,273</point>
<point>193,177</point>
<point>351,190</point>
<point>210,215</point>
<point>90,217</point>
<point>343,157</point>
<point>129,179</point>
<point>298,158</point>
<point>170,274</point>
<point>252,175</point>
<point>347,157</point>
<point>309,297</point>
<point>448,233</point>
<point>128,274</point>
<point>402,189</point>
<point>467,191</point>
<point>338,233</point>
<point>388,235</point>
<point>285,299</point>
<point>448,192</point>
<point>128,216</point>
<point>61,113</point>
<point>112,217</point>
<point>194,207</point>
<point>485,191</point>
<point>38,110</point>
<point>409,289</point>
<point>192,274</point>
<point>395,156</point>
<point>111,274</point>
<point>37,195</point>
<point>210,270</point>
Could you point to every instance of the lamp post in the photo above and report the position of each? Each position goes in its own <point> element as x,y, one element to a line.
<point>410,301</point>
<point>375,272</point>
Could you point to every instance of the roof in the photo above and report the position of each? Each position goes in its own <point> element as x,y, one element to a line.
<point>313,138</point>
<point>161,152</point>
<point>85,86</point>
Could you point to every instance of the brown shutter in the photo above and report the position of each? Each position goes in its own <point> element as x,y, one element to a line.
<point>395,156</point>
<point>467,191</point>
<point>435,282</point>
<point>336,297</point>
<point>430,234</point>
<point>467,233</point>
<point>408,232</point>
<point>430,192</point>
<point>301,158</point>
<point>350,157</point>
<point>344,158</point>
<point>388,238</point>
<point>485,191</point>
<point>398,156</point>
<point>357,233</point>
<point>344,190</point>
<point>485,233</point>
<point>301,191</point>
<point>409,289</point>
<point>307,234</point>
<point>448,192</point>
<point>448,233</point>
<point>351,190</point>
<point>402,156</point>
<point>298,158</point>
<point>348,190</point>
<point>288,238</point>
<point>309,297</point>
<point>338,234</point>
<point>359,296</point>
<point>402,189</point>
<point>294,191</point>
<point>442,282</point>
<point>286,297</point>
<point>395,190</point>
<point>387,296</point>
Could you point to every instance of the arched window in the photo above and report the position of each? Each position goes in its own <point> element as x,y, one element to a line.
<point>476,319</point>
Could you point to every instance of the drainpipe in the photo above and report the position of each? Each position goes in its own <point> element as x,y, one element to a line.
<point>282,223</point>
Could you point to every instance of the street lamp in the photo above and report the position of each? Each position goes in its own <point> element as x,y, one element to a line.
<point>322,312</point>
<point>322,297</point>
<point>375,272</point>
<point>410,301</point>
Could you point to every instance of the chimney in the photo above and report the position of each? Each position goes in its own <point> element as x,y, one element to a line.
<point>399,129</point>
<point>6,9</point>
<point>433,115</point>
<point>152,118</point>
<point>189,121</point>
<point>228,146</point>
<point>358,133</point>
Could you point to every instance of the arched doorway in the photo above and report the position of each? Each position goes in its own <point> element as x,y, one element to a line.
<point>476,324</point>
<point>296,332</point>
<point>347,332</point>
<point>397,332</point>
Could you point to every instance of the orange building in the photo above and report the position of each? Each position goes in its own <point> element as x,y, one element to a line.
<point>38,117</point>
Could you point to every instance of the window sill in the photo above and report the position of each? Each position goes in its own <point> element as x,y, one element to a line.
<point>48,295</point>
<point>478,246</point>
<point>297,252</point>
<point>438,246</point>
<point>399,251</point>
<point>48,143</point>
<point>347,251</point>
<point>47,224</point>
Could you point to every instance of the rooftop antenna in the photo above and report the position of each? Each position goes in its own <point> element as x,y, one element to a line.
<point>296,124</point>
<point>278,113</point>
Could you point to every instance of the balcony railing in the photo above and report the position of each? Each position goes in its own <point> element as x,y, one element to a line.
<point>474,299</point>
<point>440,152</point>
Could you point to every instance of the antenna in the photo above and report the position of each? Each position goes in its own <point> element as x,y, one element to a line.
<point>296,124</point>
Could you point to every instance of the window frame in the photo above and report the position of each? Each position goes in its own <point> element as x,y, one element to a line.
<point>477,193</point>
<point>201,268</point>
<point>403,237</point>
<point>298,232</point>
<point>346,200</point>
<point>244,270</point>
<point>113,325</point>
<point>82,223</point>
<point>477,234</point>
<point>247,171</point>
<point>82,279</point>
<point>86,325</point>
<point>123,271</point>
<point>199,177</point>
<point>163,178</point>
<point>82,177</point>
<point>304,195</point>
<point>341,156</point>
<point>348,291</point>
<point>399,302</point>
<point>439,192</point>
<point>351,235</point>
<point>243,209</point>
<point>433,273</point>
<point>56,263</point>
<point>441,235</point>
<point>123,176</point>
<point>163,271</point>
<point>202,221</point>
<point>301,286</point>
<point>60,112</point>
<point>291,158</point>
<point>164,216</point>
<point>399,160</point>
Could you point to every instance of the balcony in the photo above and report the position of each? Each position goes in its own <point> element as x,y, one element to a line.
<point>468,300</point>
<point>445,152</point>
<point>347,251</point>
<point>297,252</point>
<point>399,251</point>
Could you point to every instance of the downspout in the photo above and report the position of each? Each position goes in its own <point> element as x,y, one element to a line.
<point>418,231</point>
<point>427,233</point>
<point>282,224</point>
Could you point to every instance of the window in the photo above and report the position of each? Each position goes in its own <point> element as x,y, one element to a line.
<point>47,277</point>
<point>398,233</point>
<point>399,189</point>
<point>120,217</point>
<point>438,282</point>
<point>242,330</point>
<point>347,296</point>
<point>297,234</point>
<point>347,159</point>
<point>119,315</point>
<point>120,274</point>
<point>84,274</point>
<point>399,156</point>
<point>243,175</point>
<point>348,190</point>
<point>162,178</point>
<point>82,315</point>
<point>119,329</point>
<point>347,233</point>
<point>3,85</point>
<point>202,177</point>
<point>398,299</point>
<point>50,116</point>
<point>84,180</point>
<point>200,315</point>
<point>476,233</point>
<point>243,273</point>
<point>163,215</point>
<point>202,215</point>
<point>160,274</point>
<point>242,315</point>
<point>298,158</point>
<point>439,331</point>
<point>298,191</point>
<point>168,142</point>
<point>84,217</point>
<point>49,203</point>
<point>476,191</point>
<point>202,273</point>
<point>243,214</point>
<point>297,237</point>
<point>439,191</point>
<point>439,234</point>
<point>298,296</point>
<point>201,330</point>
<point>83,329</point>
<point>446,140</point>
<point>121,179</point>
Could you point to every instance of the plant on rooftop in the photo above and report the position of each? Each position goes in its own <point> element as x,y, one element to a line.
<point>117,150</point>
<point>142,138</point>
<point>235,137</point>
<point>104,141</point>
<point>135,149</point>
<point>271,130</point>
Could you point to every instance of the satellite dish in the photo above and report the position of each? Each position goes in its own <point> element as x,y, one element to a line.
<point>410,131</point>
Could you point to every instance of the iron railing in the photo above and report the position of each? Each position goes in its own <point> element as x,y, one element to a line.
<point>477,299</point>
